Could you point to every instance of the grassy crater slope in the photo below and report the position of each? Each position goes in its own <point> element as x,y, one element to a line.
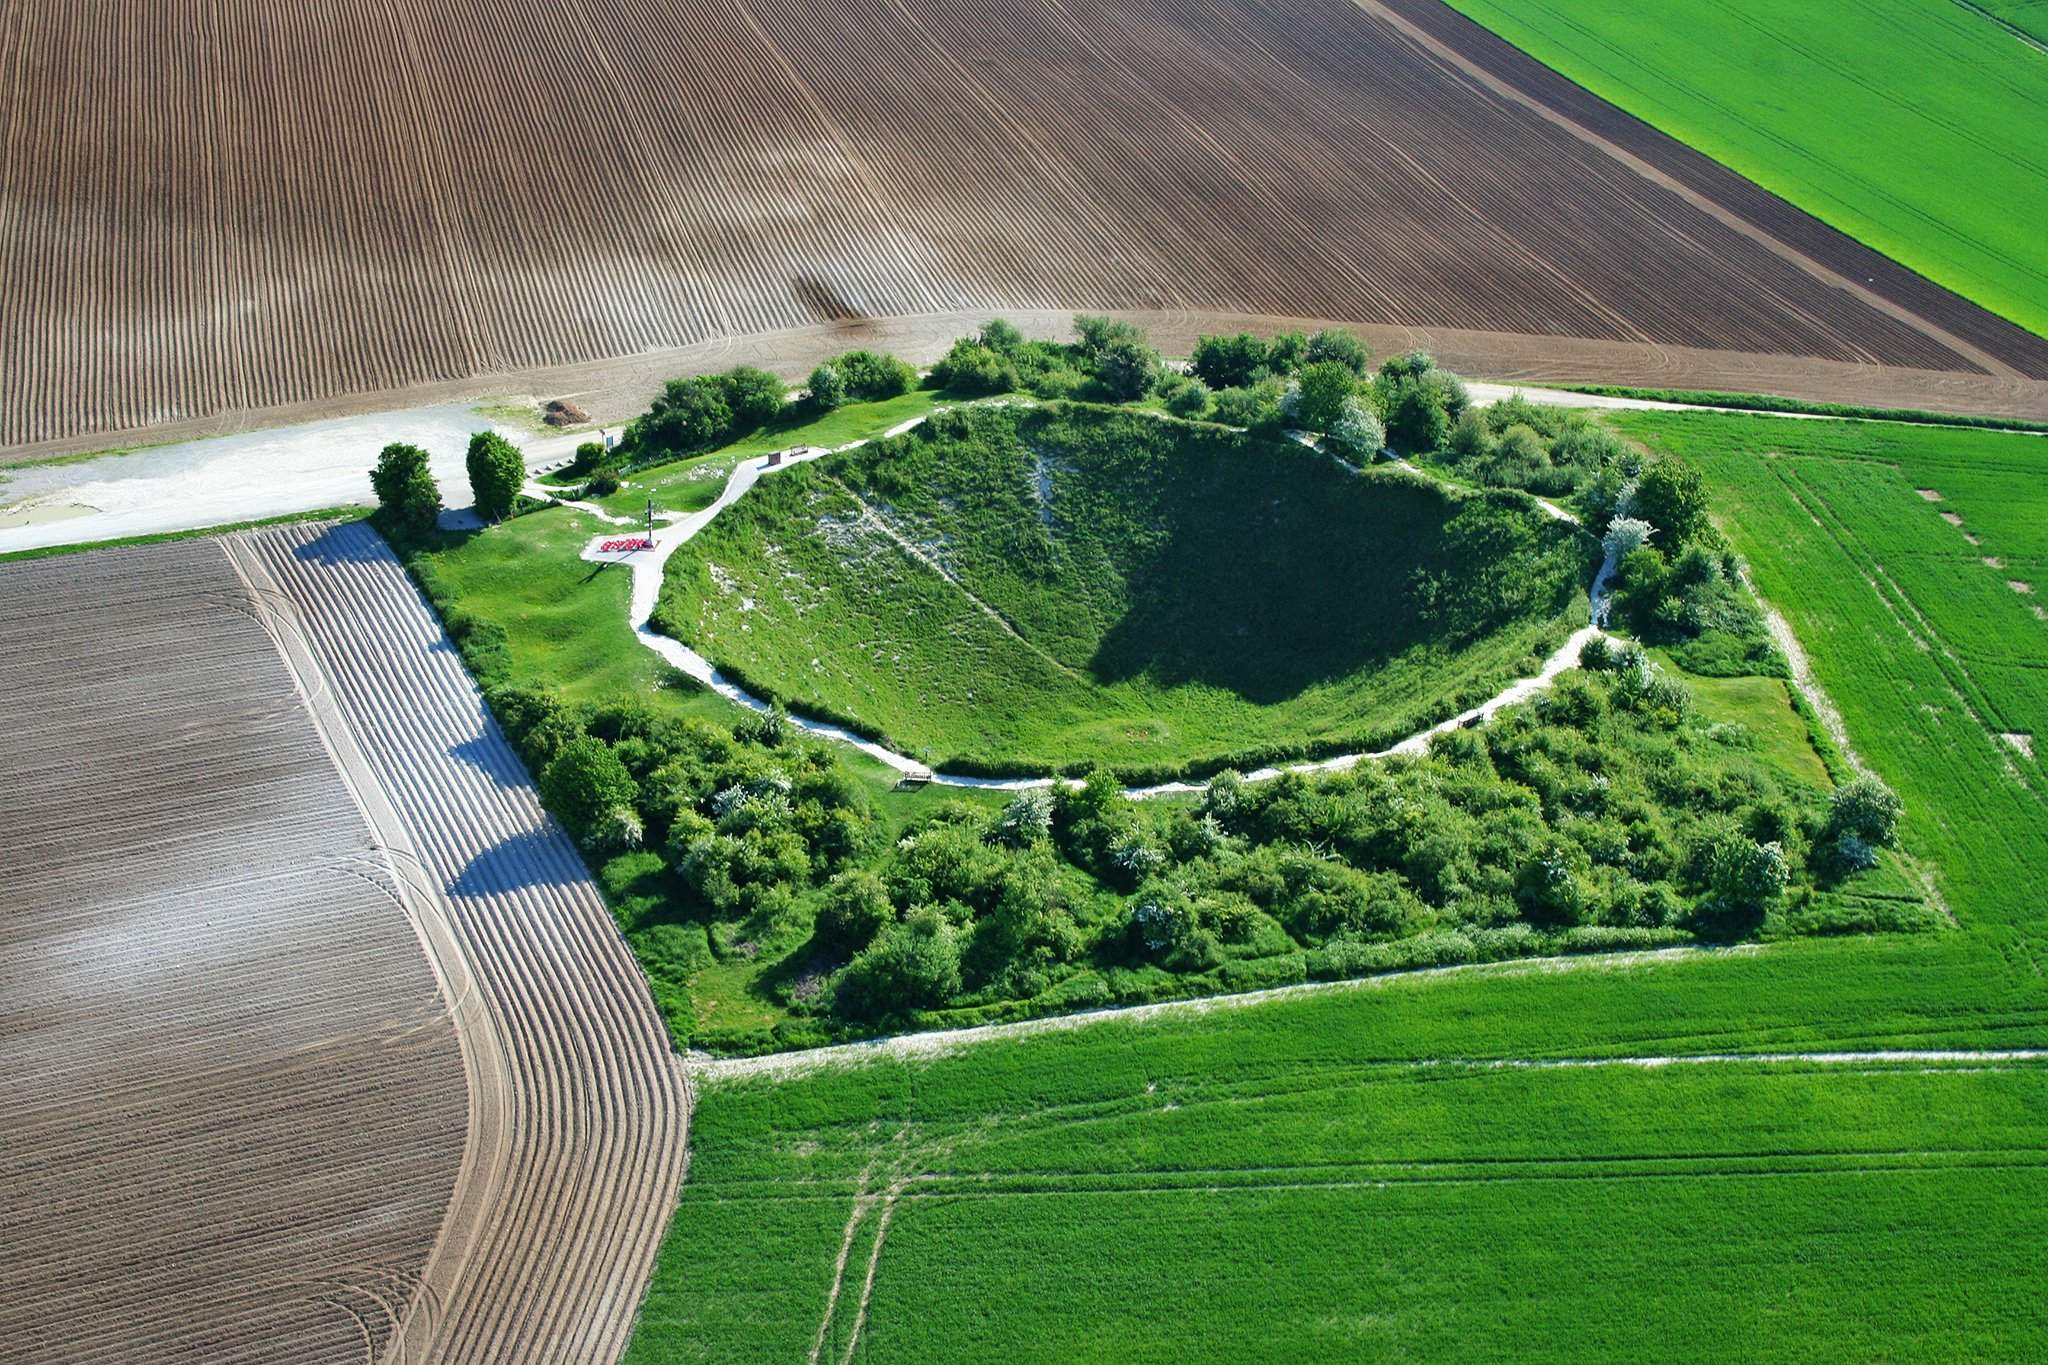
<point>1912,126</point>
<point>1012,589</point>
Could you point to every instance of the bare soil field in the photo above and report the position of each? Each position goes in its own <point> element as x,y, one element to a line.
<point>266,210</point>
<point>253,1119</point>
<point>235,1099</point>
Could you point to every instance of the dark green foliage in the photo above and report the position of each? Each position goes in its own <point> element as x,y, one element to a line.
<point>589,456</point>
<point>1255,409</point>
<point>973,368</point>
<point>496,474</point>
<point>1185,397</point>
<point>1324,388</point>
<point>1418,421</point>
<point>910,966</point>
<point>1671,496</point>
<point>1001,337</point>
<point>1230,362</point>
<point>1340,346</point>
<point>827,388</point>
<point>754,397</point>
<point>854,908</point>
<point>871,377</point>
<point>688,416</point>
<point>585,783</point>
<point>1496,563</point>
<point>405,487</point>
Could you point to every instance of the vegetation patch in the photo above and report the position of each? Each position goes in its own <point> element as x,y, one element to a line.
<point>1036,589</point>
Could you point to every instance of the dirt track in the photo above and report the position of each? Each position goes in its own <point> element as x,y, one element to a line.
<point>269,210</point>
<point>246,1123</point>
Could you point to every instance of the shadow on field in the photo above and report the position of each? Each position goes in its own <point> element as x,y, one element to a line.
<point>522,861</point>
<point>491,758</point>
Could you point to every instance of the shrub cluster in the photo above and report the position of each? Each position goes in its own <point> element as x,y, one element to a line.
<point>694,415</point>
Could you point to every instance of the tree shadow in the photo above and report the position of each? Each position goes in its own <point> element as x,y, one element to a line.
<point>492,758</point>
<point>539,857</point>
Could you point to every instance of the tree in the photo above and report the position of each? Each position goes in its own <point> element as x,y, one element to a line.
<point>1358,433</point>
<point>1625,535</point>
<point>828,388</point>
<point>1187,397</point>
<point>911,965</point>
<point>1257,406</point>
<point>1002,338</point>
<point>855,909</point>
<point>1094,335</point>
<point>1340,347</point>
<point>1027,820</point>
<point>1229,362</point>
<point>1284,352</point>
<point>583,785</point>
<point>1126,368</point>
<point>971,367</point>
<point>688,415</point>
<point>1325,387</point>
<point>1671,496</point>
<point>1417,420</point>
<point>496,474</point>
<point>1746,878</point>
<point>1866,809</point>
<point>871,377</point>
<point>405,487</point>
<point>754,396</point>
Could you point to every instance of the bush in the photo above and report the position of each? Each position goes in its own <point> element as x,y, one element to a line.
<point>1250,408</point>
<point>589,456</point>
<point>754,397</point>
<point>1338,346</point>
<point>405,487</point>
<point>855,909</point>
<point>1002,338</point>
<point>1325,388</point>
<point>1126,369</point>
<point>1358,434</point>
<point>1866,809</point>
<point>871,377</point>
<point>973,368</point>
<point>1229,362</point>
<point>602,484</point>
<point>827,388</point>
<point>912,965</point>
<point>1187,397</point>
<point>1671,496</point>
<point>584,784</point>
<point>496,474</point>
<point>1418,421</point>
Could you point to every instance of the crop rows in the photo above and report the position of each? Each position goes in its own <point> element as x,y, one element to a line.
<point>584,1101</point>
<point>249,207</point>
<point>235,1099</point>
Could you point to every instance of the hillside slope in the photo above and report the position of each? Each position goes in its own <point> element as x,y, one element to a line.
<point>1012,590</point>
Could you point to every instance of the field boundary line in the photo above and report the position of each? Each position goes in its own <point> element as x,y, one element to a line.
<point>486,1145</point>
<point>936,1043</point>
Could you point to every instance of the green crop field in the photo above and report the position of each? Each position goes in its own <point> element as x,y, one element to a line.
<point>1360,1173</point>
<point>1912,125</point>
<point>1023,590</point>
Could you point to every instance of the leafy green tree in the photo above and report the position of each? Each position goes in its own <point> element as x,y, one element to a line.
<point>828,388</point>
<point>1094,335</point>
<point>1551,887</point>
<point>1229,362</point>
<point>1126,369</point>
<point>1671,496</point>
<point>1867,809</point>
<point>1285,352</point>
<point>585,782</point>
<point>1326,386</point>
<point>871,377</point>
<point>405,487</point>
<point>1418,421</point>
<point>496,474</point>
<point>688,415</point>
<point>1002,338</point>
<point>911,965</point>
<point>1250,408</point>
<point>1338,346</point>
<point>856,908</point>
<point>1358,434</point>
<point>1186,396</point>
<point>971,367</point>
<point>754,397</point>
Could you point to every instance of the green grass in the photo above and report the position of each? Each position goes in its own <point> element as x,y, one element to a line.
<point>1030,591</point>
<point>1282,1181</point>
<point>2029,16</point>
<point>349,513</point>
<point>1763,402</point>
<point>1764,708</point>
<point>1912,125</point>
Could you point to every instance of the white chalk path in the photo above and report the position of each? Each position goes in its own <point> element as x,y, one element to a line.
<point>647,567</point>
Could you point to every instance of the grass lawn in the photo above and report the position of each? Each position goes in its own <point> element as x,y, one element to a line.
<point>1868,115</point>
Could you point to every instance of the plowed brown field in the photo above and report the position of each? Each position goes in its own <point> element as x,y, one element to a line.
<point>249,206</point>
<point>247,784</point>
